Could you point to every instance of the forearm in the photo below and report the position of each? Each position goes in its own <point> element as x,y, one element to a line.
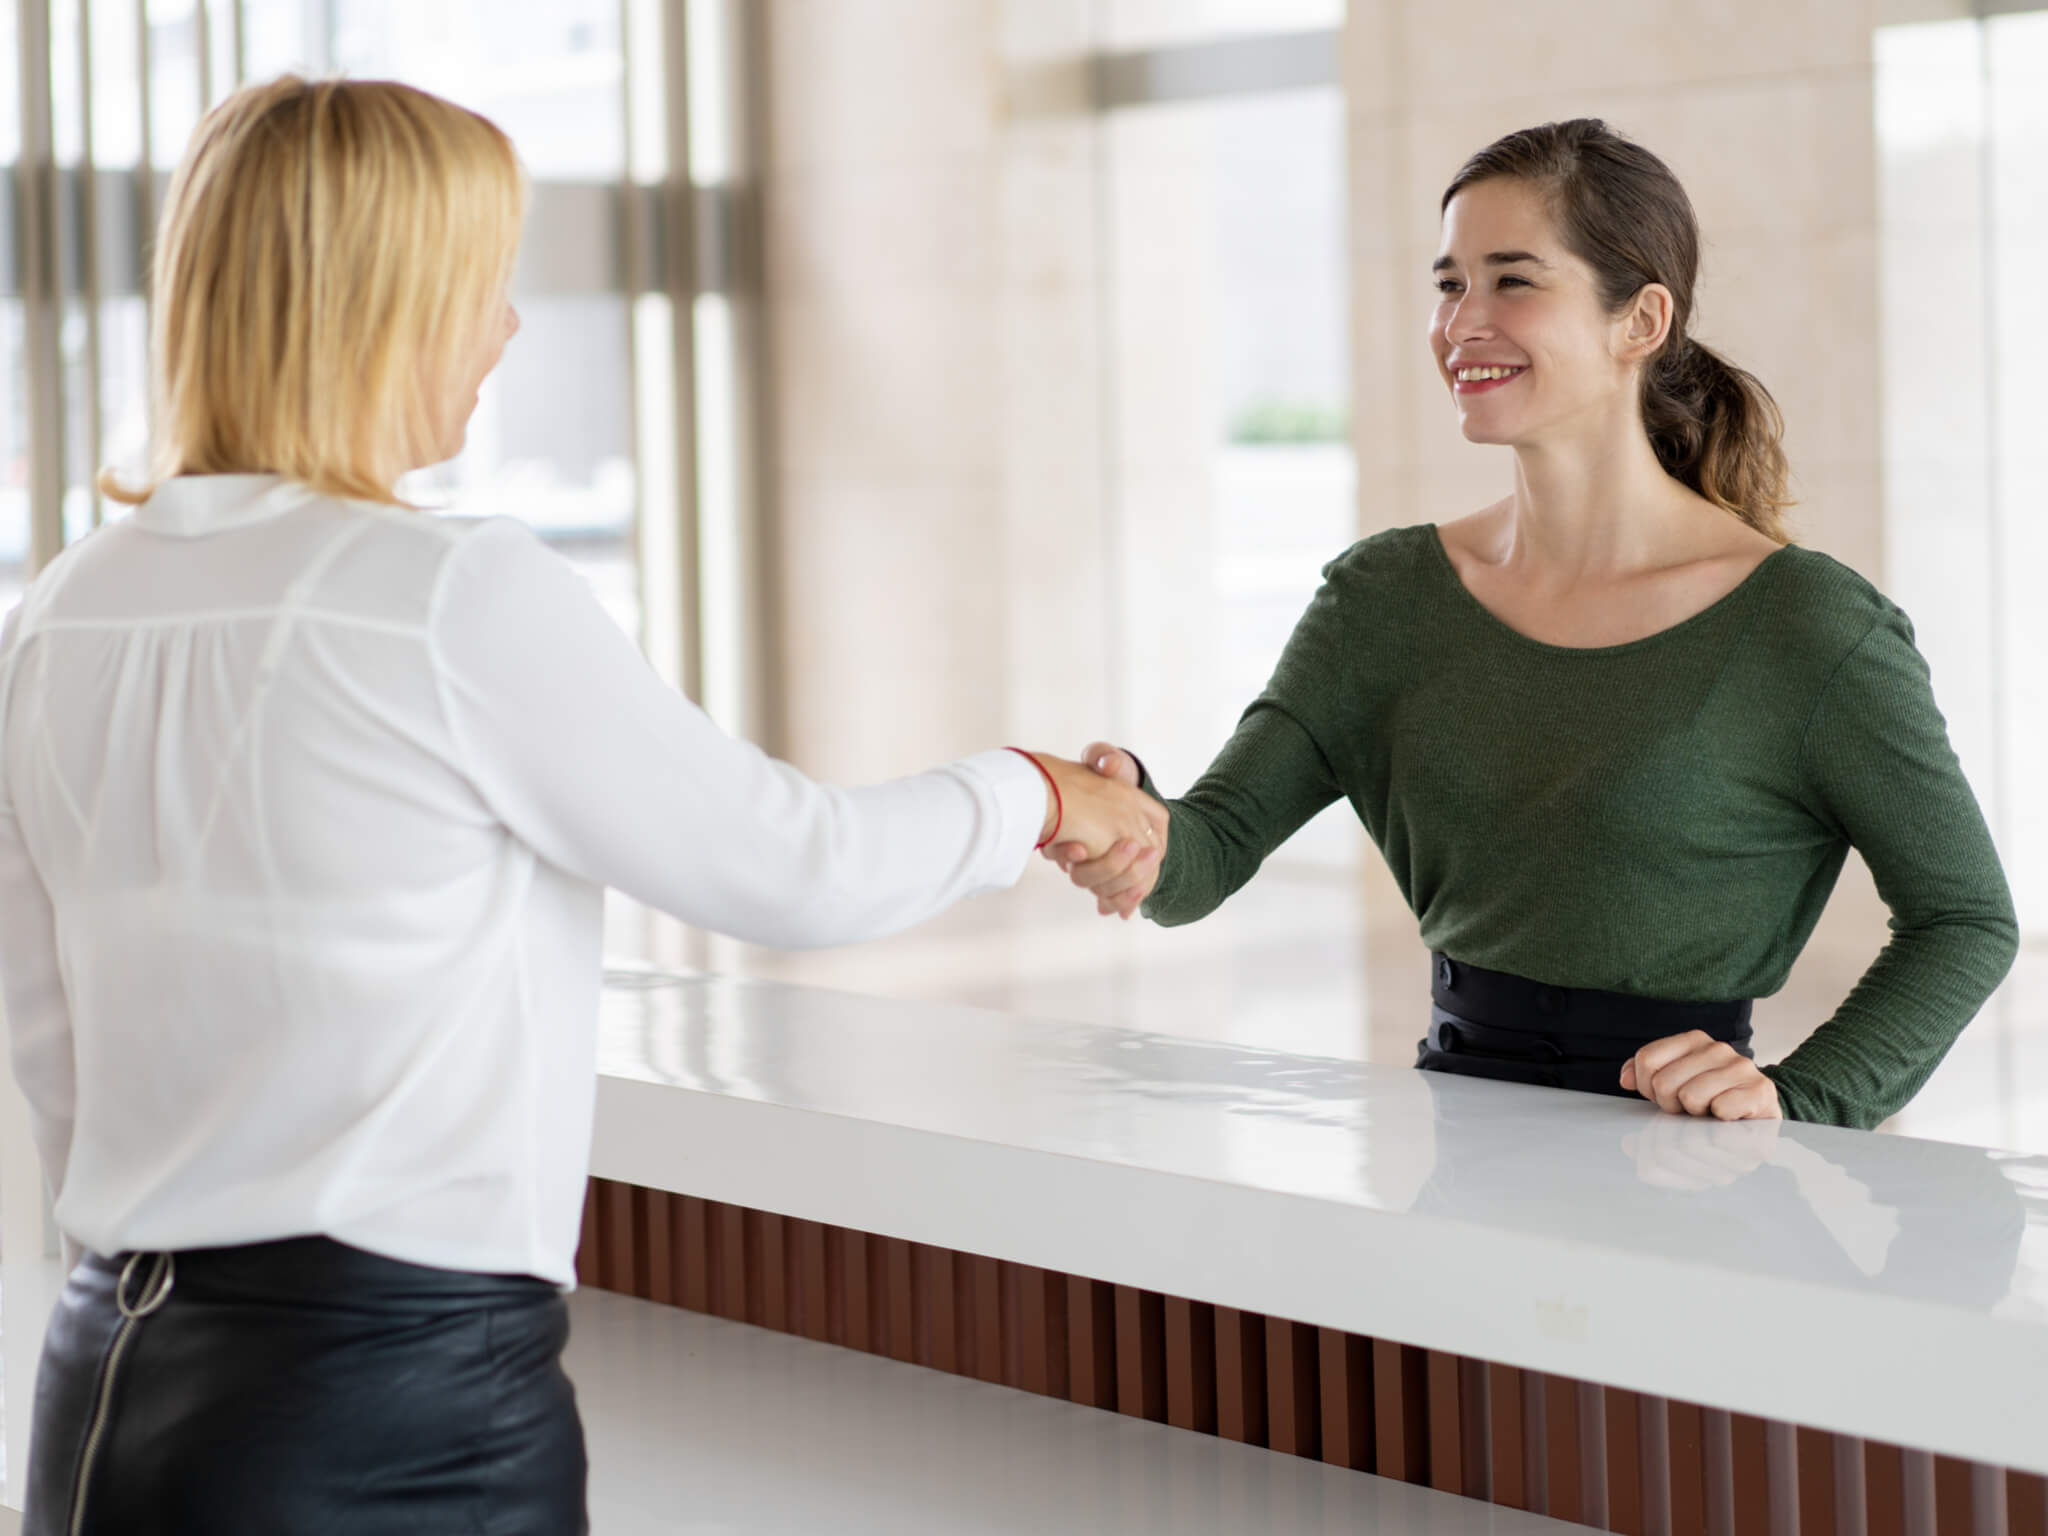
<point>1886,1039</point>
<point>575,745</point>
<point>1268,780</point>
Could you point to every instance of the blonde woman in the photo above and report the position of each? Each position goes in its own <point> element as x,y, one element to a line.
<point>307,804</point>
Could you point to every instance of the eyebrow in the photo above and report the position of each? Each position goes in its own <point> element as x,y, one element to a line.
<point>1492,259</point>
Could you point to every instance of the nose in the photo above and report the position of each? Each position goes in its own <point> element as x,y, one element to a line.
<point>511,322</point>
<point>1468,319</point>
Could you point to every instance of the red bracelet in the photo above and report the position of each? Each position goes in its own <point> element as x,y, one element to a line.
<point>1059,806</point>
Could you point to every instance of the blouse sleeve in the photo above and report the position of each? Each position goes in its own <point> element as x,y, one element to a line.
<point>31,977</point>
<point>590,759</point>
<point>1879,769</point>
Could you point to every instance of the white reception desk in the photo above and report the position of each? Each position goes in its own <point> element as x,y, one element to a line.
<point>1869,1286</point>
<point>1846,1285</point>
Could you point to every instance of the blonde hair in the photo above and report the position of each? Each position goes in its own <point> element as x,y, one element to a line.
<point>329,250</point>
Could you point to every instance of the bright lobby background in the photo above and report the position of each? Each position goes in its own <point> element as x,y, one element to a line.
<point>916,376</point>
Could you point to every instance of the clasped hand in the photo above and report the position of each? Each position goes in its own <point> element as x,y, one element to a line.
<point>1119,874</point>
<point>1097,814</point>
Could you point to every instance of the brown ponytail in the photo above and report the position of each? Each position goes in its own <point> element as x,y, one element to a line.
<point>1622,212</point>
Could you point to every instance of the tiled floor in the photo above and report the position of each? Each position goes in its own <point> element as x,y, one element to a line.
<point>1327,963</point>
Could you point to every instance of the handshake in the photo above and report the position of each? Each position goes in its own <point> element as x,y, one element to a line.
<point>1111,835</point>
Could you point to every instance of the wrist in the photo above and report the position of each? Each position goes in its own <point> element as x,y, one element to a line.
<point>1055,807</point>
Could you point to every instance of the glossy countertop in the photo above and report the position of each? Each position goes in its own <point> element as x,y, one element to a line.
<point>1875,1285</point>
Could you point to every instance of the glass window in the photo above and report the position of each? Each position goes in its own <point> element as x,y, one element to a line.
<point>1132,24</point>
<point>1233,465</point>
<point>176,102</point>
<point>1962,130</point>
<point>10,56</point>
<point>548,72</point>
<point>14,524</point>
<point>552,441</point>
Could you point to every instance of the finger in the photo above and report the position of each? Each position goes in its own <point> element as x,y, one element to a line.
<point>1668,1088</point>
<point>1139,879</point>
<point>1095,874</point>
<point>1628,1075</point>
<point>1140,896</point>
<point>1668,1082</point>
<point>1122,906</point>
<point>1714,1078</point>
<point>1754,1101</point>
<point>1112,762</point>
<point>1661,1066</point>
<point>1658,1054</point>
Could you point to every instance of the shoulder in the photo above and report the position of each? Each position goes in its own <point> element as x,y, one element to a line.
<point>1835,642</point>
<point>39,597</point>
<point>503,547</point>
<point>1360,624</point>
<point>1394,559</point>
<point>1820,609</point>
<point>375,563</point>
<point>501,577</point>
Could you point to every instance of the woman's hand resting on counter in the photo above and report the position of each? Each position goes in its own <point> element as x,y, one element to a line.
<point>1695,1074</point>
<point>1119,875</point>
<point>1096,814</point>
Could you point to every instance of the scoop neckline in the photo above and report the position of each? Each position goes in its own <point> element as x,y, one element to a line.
<point>1465,594</point>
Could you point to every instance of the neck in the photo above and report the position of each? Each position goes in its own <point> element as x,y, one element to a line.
<point>1594,503</point>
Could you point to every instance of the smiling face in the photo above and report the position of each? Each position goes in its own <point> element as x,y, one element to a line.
<point>1522,339</point>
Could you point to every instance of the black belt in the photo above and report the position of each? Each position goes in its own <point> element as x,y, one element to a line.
<point>1490,1024</point>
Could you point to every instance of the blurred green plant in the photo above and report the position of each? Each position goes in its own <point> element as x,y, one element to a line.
<point>1290,421</point>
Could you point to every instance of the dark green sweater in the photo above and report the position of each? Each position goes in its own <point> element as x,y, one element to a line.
<point>1664,818</point>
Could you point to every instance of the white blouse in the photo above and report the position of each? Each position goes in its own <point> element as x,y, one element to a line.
<point>306,813</point>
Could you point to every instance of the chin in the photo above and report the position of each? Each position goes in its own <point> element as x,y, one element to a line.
<point>1492,434</point>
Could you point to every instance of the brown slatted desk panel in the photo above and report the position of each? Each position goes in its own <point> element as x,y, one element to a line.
<point>1622,1461</point>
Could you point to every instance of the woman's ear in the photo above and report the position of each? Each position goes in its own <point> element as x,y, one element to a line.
<point>1645,323</point>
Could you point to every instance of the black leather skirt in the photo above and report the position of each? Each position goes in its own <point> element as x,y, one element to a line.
<point>303,1388</point>
<point>1490,1024</point>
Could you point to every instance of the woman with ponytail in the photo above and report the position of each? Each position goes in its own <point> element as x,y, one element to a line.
<point>1615,734</point>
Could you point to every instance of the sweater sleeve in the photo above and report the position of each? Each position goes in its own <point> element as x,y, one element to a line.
<point>1879,769</point>
<point>1265,784</point>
